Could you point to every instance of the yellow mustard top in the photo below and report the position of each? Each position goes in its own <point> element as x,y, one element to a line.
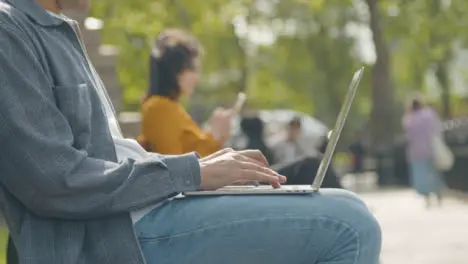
<point>167,128</point>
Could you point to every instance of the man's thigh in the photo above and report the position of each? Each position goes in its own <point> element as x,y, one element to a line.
<point>249,229</point>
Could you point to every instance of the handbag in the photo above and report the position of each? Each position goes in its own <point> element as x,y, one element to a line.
<point>443,156</point>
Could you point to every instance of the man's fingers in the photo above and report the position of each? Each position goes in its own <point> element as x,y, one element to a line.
<point>254,154</point>
<point>254,175</point>
<point>260,173</point>
<point>276,185</point>
<point>242,158</point>
<point>246,183</point>
<point>217,154</point>
<point>258,167</point>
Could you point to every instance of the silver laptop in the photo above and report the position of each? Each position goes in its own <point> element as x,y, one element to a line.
<point>324,164</point>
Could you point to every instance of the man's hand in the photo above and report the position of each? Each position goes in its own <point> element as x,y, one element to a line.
<point>228,167</point>
<point>216,154</point>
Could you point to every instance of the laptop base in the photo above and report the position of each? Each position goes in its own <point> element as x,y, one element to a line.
<point>256,190</point>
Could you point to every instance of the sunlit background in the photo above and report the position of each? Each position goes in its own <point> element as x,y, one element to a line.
<point>299,55</point>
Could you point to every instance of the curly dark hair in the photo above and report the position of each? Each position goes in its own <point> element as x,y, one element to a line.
<point>173,52</point>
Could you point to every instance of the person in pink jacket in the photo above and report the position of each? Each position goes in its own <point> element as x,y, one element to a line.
<point>421,124</point>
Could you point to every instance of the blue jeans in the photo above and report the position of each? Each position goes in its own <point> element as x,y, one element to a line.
<point>330,227</point>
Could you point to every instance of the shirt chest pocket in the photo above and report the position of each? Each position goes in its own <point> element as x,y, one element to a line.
<point>74,102</point>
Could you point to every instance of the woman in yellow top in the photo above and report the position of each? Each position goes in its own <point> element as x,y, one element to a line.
<point>166,126</point>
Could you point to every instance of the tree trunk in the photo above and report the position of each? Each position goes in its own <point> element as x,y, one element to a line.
<point>442,76</point>
<point>443,64</point>
<point>382,117</point>
<point>244,65</point>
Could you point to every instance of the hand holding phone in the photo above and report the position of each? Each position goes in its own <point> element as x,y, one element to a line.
<point>241,98</point>
<point>221,119</point>
<point>220,124</point>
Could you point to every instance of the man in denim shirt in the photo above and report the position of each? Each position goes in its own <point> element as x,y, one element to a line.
<point>68,198</point>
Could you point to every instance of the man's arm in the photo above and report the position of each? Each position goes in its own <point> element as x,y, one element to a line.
<point>39,166</point>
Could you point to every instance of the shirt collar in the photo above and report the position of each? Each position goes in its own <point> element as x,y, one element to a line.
<point>37,13</point>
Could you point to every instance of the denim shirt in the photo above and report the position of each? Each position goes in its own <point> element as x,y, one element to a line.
<point>64,196</point>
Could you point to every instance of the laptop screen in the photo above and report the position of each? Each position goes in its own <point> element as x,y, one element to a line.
<point>335,134</point>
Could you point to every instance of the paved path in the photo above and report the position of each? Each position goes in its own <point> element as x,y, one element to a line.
<point>416,235</point>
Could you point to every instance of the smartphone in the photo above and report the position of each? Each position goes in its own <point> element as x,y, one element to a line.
<point>241,97</point>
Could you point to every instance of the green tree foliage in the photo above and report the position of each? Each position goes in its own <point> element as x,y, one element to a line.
<point>309,57</point>
<point>426,35</point>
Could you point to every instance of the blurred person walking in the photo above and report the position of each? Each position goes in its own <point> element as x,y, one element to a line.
<point>421,125</point>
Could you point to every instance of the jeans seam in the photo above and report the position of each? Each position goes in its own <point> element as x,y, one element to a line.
<point>358,238</point>
<point>190,232</point>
